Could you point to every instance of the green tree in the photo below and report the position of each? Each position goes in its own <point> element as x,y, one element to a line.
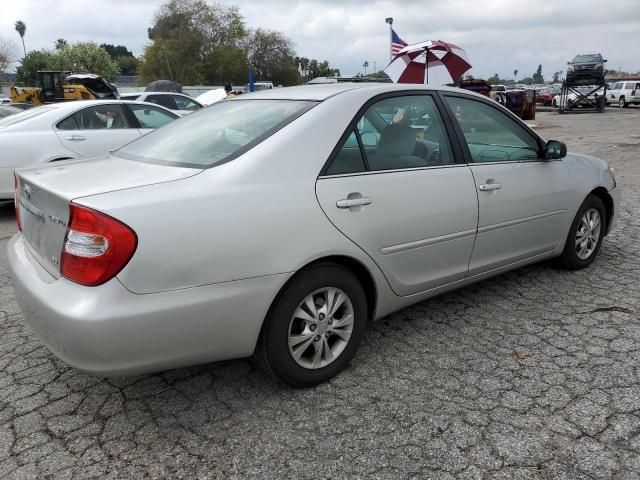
<point>272,57</point>
<point>82,57</point>
<point>556,76</point>
<point>21,28</point>
<point>194,42</point>
<point>515,75</point>
<point>494,80</point>
<point>88,57</point>
<point>26,73</point>
<point>537,77</point>
<point>61,43</point>
<point>116,51</point>
<point>527,80</point>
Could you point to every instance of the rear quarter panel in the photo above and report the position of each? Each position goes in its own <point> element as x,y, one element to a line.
<point>254,216</point>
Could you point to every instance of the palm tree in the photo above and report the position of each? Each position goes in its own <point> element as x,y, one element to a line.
<point>61,43</point>
<point>515,75</point>
<point>365,65</point>
<point>21,28</point>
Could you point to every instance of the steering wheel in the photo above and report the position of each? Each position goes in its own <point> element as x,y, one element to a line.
<point>434,158</point>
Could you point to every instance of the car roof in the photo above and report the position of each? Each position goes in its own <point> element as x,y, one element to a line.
<point>325,91</point>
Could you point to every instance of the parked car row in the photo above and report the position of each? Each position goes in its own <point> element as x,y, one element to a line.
<point>280,223</point>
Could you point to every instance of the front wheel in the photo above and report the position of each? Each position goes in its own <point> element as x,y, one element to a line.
<point>315,327</point>
<point>586,234</point>
<point>622,103</point>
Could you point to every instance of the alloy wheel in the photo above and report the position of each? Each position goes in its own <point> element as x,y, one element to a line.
<point>320,328</point>
<point>588,233</point>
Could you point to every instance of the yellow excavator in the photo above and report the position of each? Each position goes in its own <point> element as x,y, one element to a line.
<point>58,86</point>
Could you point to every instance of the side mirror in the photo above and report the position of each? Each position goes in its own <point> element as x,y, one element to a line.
<point>555,150</point>
<point>568,63</point>
<point>604,61</point>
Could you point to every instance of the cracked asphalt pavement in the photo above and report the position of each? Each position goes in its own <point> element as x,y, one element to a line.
<point>530,375</point>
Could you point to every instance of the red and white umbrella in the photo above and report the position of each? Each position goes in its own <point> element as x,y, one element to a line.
<point>434,62</point>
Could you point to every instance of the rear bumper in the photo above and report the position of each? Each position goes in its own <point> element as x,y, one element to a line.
<point>110,331</point>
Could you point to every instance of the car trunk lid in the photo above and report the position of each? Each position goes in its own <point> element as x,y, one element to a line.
<point>44,195</point>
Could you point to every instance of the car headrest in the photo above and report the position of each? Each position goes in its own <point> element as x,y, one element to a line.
<point>397,140</point>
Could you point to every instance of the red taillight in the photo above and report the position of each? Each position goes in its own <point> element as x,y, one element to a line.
<point>16,201</point>
<point>96,247</point>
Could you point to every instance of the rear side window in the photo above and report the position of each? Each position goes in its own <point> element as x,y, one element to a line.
<point>215,134</point>
<point>349,158</point>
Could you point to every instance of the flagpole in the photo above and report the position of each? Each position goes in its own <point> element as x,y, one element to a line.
<point>389,20</point>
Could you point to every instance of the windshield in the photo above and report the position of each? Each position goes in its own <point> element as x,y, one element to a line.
<point>588,59</point>
<point>24,115</point>
<point>215,134</point>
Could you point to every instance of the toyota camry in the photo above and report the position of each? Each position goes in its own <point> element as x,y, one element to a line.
<point>278,224</point>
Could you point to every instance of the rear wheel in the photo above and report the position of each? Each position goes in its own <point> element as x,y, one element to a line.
<point>315,327</point>
<point>585,236</point>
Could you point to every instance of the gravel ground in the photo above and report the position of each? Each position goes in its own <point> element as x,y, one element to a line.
<point>531,375</point>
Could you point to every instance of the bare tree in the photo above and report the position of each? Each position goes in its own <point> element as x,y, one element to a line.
<point>21,28</point>
<point>7,53</point>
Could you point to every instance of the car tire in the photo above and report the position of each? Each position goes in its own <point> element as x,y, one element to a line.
<point>622,103</point>
<point>302,347</point>
<point>584,239</point>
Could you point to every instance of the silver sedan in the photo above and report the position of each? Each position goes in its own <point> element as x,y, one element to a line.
<point>279,224</point>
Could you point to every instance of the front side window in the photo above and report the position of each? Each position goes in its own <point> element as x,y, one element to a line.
<point>215,134</point>
<point>185,103</point>
<point>165,101</point>
<point>109,116</point>
<point>151,117</point>
<point>490,134</point>
<point>396,133</point>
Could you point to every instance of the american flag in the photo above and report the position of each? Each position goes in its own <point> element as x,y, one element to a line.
<point>397,43</point>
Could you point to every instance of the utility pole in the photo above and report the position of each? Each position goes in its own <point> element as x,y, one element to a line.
<point>389,20</point>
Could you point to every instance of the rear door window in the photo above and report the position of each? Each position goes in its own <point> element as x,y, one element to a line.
<point>395,133</point>
<point>109,116</point>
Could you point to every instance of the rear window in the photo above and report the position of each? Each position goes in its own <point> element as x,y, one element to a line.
<point>24,115</point>
<point>215,134</point>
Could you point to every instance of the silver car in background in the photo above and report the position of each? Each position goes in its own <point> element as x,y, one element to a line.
<point>280,224</point>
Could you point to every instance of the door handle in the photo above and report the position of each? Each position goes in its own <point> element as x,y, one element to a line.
<point>490,186</point>
<point>76,138</point>
<point>353,202</point>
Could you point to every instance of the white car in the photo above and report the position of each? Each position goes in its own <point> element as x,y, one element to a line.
<point>624,93</point>
<point>176,102</point>
<point>4,99</point>
<point>67,130</point>
<point>573,99</point>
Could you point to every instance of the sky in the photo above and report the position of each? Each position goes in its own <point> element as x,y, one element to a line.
<point>499,36</point>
